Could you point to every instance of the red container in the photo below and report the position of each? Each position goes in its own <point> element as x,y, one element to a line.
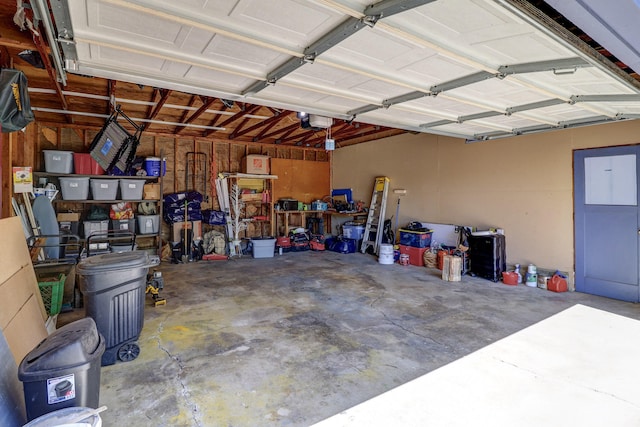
<point>440,257</point>
<point>415,254</point>
<point>510,278</point>
<point>557,284</point>
<point>284,242</point>
<point>84,164</point>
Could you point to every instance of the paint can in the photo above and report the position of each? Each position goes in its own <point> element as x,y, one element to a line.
<point>404,259</point>
<point>542,282</point>
<point>386,249</point>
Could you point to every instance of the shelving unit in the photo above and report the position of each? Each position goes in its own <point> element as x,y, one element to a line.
<point>259,204</point>
<point>80,205</point>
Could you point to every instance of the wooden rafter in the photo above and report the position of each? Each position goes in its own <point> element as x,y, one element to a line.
<point>275,119</point>
<point>238,128</point>
<point>12,38</point>
<point>347,129</point>
<point>336,132</point>
<point>304,139</point>
<point>5,58</point>
<point>154,110</point>
<point>192,102</point>
<point>216,118</point>
<point>285,136</point>
<point>206,103</point>
<point>111,94</point>
<point>41,47</point>
<point>249,109</point>
<point>374,131</point>
<point>281,131</point>
<point>264,130</point>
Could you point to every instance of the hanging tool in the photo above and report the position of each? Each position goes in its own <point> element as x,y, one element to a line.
<point>376,215</point>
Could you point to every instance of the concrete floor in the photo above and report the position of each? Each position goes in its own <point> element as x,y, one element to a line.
<point>292,340</point>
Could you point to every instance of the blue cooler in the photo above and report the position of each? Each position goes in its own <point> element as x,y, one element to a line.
<point>155,166</point>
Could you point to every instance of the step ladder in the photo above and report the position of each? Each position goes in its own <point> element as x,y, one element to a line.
<point>375,220</point>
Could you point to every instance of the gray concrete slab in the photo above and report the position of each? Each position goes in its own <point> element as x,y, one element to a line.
<point>292,340</point>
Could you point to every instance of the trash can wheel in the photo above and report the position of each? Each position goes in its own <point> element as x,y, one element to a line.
<point>129,351</point>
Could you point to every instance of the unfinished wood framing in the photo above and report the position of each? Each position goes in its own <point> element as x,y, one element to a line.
<point>222,155</point>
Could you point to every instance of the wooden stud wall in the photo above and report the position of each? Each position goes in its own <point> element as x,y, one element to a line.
<point>25,149</point>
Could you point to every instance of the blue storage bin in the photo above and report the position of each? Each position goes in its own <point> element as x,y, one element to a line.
<point>417,239</point>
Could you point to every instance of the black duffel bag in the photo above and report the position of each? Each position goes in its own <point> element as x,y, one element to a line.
<point>15,106</point>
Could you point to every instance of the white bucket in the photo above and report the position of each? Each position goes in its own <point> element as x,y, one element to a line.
<point>386,259</point>
<point>386,249</point>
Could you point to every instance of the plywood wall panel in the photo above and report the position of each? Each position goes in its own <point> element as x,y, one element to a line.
<point>301,180</point>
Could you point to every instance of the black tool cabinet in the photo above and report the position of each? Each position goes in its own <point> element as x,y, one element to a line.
<point>487,256</point>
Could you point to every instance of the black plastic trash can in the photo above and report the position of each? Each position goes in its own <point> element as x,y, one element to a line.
<point>113,286</point>
<point>63,370</point>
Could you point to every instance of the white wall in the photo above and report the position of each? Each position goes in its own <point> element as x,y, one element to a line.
<point>522,184</point>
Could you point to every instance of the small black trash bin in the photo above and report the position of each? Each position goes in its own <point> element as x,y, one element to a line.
<point>114,287</point>
<point>63,370</point>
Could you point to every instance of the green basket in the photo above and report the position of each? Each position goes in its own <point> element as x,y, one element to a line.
<point>52,291</point>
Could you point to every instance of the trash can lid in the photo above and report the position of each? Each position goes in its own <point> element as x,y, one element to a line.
<point>113,261</point>
<point>75,344</point>
<point>65,417</point>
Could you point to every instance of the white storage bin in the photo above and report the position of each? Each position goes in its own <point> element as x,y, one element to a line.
<point>57,161</point>
<point>74,188</point>
<point>148,224</point>
<point>353,231</point>
<point>128,224</point>
<point>263,247</point>
<point>95,227</point>
<point>131,189</point>
<point>104,189</point>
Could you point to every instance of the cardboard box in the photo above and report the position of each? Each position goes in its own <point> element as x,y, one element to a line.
<point>177,230</point>
<point>27,329</point>
<point>22,312</point>
<point>452,268</point>
<point>68,216</point>
<point>13,297</point>
<point>151,192</point>
<point>256,163</point>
